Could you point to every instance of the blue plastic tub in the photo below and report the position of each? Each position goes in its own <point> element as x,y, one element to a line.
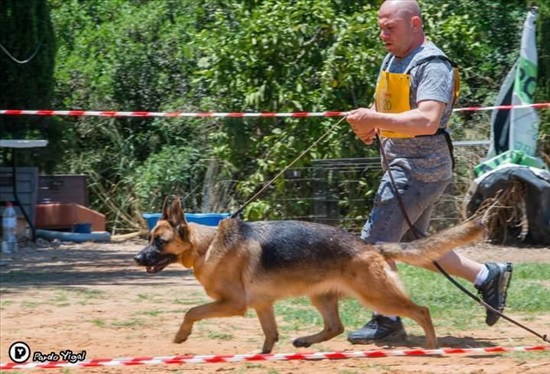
<point>82,228</point>
<point>95,236</point>
<point>208,219</point>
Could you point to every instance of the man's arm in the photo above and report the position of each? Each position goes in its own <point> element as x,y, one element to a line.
<point>424,120</point>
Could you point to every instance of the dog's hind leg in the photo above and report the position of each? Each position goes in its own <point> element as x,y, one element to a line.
<point>220,308</point>
<point>269,326</point>
<point>420,314</point>
<point>327,305</point>
<point>387,297</point>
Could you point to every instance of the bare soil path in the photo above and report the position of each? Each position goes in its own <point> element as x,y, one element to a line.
<point>90,297</point>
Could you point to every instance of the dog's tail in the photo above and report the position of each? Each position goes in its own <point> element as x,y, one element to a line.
<point>424,251</point>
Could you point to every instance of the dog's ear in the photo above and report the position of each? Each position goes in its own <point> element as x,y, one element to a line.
<point>176,216</point>
<point>183,231</point>
<point>164,212</point>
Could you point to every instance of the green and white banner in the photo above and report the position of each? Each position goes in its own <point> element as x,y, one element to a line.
<point>517,129</point>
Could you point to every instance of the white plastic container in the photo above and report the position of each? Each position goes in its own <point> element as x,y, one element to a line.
<point>9,227</point>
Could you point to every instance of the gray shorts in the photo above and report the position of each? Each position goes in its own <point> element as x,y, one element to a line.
<point>386,222</point>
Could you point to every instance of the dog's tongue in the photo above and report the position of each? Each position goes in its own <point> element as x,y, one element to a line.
<point>150,269</point>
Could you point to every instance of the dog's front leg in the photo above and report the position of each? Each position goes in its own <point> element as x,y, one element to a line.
<point>269,326</point>
<point>220,308</point>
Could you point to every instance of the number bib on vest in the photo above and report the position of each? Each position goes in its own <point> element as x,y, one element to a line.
<point>393,93</point>
<point>392,96</point>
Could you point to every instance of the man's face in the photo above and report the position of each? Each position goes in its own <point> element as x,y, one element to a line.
<point>396,32</point>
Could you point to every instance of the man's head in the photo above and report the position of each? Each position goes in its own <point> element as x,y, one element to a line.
<point>400,25</point>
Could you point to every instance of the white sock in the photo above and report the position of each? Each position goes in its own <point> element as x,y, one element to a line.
<point>481,276</point>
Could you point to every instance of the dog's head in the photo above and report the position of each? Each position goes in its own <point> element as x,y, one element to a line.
<point>167,240</point>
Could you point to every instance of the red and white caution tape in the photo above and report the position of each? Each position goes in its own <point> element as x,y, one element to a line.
<point>523,106</point>
<point>216,359</point>
<point>141,114</point>
<point>80,113</point>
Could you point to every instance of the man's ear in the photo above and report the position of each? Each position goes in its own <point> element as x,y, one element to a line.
<point>416,23</point>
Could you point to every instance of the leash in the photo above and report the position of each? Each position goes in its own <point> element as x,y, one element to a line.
<point>255,196</point>
<point>415,231</point>
<point>419,235</point>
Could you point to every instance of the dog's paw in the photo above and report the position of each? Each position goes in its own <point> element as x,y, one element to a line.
<point>300,343</point>
<point>180,338</point>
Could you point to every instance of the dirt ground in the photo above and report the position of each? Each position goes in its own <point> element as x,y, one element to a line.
<point>90,297</point>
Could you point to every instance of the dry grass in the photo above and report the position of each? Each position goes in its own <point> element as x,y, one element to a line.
<point>506,216</point>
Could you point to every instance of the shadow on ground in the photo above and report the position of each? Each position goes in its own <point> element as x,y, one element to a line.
<point>80,264</point>
<point>443,342</point>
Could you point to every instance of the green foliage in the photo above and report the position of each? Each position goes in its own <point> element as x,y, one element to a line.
<point>235,56</point>
<point>288,56</point>
<point>543,81</point>
<point>27,68</point>
<point>120,55</point>
<point>173,169</point>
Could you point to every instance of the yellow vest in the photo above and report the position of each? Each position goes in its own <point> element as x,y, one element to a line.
<point>393,93</point>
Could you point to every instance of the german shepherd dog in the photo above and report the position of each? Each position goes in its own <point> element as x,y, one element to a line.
<point>245,265</point>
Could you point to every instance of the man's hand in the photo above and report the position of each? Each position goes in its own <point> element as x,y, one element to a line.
<point>361,123</point>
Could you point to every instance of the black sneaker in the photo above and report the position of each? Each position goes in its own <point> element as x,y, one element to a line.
<point>378,328</point>
<point>494,290</point>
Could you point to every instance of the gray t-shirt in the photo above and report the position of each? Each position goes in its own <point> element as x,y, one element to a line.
<point>426,158</point>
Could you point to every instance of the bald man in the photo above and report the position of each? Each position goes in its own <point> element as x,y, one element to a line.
<point>416,90</point>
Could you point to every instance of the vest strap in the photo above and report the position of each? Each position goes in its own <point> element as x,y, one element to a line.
<point>439,131</point>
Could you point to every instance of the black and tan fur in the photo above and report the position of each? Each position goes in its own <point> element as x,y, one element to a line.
<point>245,265</point>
